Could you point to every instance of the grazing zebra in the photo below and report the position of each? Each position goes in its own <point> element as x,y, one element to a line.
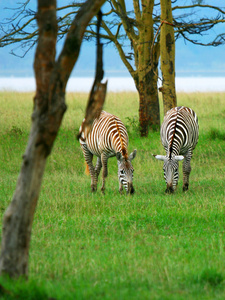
<point>179,136</point>
<point>108,137</point>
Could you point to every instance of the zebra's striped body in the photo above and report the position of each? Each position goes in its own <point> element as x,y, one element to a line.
<point>179,137</point>
<point>108,137</point>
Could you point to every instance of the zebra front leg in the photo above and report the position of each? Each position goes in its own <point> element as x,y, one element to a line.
<point>186,171</point>
<point>104,160</point>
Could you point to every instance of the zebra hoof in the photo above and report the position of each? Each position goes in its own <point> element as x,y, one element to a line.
<point>185,187</point>
<point>93,189</point>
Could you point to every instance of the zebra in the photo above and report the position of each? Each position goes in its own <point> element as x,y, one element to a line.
<point>179,137</point>
<point>108,137</point>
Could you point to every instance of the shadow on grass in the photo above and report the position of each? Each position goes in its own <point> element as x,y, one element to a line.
<point>21,289</point>
<point>215,134</point>
<point>209,277</point>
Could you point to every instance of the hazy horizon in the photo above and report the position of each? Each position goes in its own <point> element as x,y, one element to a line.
<point>116,84</point>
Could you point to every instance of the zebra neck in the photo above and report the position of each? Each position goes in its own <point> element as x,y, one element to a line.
<point>172,153</point>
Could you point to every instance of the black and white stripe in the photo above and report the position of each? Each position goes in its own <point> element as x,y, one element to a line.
<point>108,137</point>
<point>179,137</point>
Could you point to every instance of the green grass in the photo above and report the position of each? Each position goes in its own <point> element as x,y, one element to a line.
<point>93,246</point>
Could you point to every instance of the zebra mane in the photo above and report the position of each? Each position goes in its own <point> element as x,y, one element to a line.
<point>124,153</point>
<point>124,150</point>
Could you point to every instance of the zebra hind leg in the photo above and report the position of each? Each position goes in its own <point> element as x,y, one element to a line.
<point>186,172</point>
<point>98,167</point>
<point>94,178</point>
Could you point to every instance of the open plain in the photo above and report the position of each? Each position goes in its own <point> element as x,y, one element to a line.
<point>147,246</point>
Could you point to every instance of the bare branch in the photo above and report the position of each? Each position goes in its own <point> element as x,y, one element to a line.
<point>127,22</point>
<point>137,10</point>
<point>119,48</point>
<point>199,5</point>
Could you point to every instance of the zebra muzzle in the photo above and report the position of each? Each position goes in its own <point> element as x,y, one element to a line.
<point>169,189</point>
<point>130,189</point>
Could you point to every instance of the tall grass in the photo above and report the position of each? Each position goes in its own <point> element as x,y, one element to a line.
<point>112,246</point>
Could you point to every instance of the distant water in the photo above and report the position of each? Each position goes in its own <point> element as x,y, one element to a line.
<point>117,84</point>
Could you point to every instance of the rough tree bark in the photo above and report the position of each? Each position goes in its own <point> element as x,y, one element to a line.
<point>49,108</point>
<point>167,55</point>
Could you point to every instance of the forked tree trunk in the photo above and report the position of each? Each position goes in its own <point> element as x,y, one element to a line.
<point>49,108</point>
<point>167,54</point>
<point>146,60</point>
<point>146,77</point>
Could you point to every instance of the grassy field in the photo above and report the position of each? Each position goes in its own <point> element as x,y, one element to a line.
<point>147,246</point>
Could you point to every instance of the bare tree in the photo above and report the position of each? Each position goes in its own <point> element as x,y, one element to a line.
<point>190,19</point>
<point>49,107</point>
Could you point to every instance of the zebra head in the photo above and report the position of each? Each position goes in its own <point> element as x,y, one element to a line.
<point>171,172</point>
<point>125,171</point>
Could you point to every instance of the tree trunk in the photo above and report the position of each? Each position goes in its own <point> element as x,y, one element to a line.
<point>149,115</point>
<point>167,54</point>
<point>146,62</point>
<point>49,108</point>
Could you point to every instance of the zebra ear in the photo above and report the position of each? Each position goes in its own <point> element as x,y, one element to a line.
<point>179,157</point>
<point>118,156</point>
<point>160,157</point>
<point>132,155</point>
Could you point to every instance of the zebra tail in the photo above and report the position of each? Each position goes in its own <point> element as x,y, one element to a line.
<point>86,169</point>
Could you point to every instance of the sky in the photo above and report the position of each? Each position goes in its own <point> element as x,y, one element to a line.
<point>191,60</point>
